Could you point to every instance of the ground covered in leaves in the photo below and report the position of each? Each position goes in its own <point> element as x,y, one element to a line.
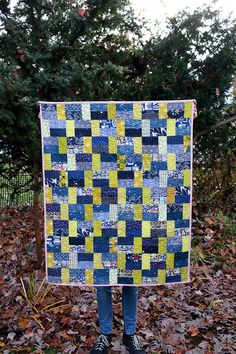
<point>196,317</point>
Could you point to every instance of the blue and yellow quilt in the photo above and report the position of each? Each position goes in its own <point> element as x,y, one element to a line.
<point>117,191</point>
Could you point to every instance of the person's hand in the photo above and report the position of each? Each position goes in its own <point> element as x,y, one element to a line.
<point>194,109</point>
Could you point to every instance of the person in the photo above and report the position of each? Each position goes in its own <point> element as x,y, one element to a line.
<point>129,311</point>
<point>105,315</point>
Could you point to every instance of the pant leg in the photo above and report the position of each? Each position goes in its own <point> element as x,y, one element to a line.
<point>105,313</point>
<point>130,308</point>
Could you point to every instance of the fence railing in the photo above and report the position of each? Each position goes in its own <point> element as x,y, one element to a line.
<point>16,191</point>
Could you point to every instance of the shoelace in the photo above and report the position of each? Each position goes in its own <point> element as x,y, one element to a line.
<point>137,345</point>
<point>102,342</point>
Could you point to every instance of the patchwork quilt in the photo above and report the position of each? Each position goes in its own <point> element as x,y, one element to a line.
<point>117,191</point>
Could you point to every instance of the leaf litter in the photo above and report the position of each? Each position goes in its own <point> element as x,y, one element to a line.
<point>191,318</point>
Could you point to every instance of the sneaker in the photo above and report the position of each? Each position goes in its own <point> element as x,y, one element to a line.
<point>102,344</point>
<point>133,344</point>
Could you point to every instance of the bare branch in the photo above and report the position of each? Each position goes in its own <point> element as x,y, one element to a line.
<point>215,126</point>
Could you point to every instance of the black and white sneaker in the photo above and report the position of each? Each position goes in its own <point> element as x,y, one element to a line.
<point>102,344</point>
<point>133,344</point>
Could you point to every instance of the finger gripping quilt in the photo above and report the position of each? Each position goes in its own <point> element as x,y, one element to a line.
<point>117,191</point>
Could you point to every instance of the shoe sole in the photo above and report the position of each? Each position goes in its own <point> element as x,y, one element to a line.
<point>127,348</point>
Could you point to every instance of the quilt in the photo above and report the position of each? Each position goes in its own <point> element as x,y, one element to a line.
<point>117,182</point>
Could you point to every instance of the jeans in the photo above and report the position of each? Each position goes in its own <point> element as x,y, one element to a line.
<point>129,308</point>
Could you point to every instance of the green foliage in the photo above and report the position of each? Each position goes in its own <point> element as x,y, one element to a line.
<point>196,59</point>
<point>197,256</point>
<point>229,225</point>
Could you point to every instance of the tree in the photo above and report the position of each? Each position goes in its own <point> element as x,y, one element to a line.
<point>57,50</point>
<point>196,58</point>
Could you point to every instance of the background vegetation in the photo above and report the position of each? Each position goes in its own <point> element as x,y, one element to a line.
<point>100,50</point>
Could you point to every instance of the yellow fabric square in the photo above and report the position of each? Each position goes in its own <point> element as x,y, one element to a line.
<point>87,140</point>
<point>65,275</point>
<point>121,260</point>
<point>146,261</point>
<point>184,274</point>
<point>121,228</point>
<point>112,144</point>
<point>50,257</point>
<point>162,245</point>
<point>113,245</point>
<point>97,196</point>
<point>171,127</point>
<point>111,111</point>
<point>138,245</point>
<point>146,195</point>
<point>137,141</point>
<point>48,193</point>
<point>89,244</point>
<point>161,276</point>
<point>63,179</point>
<point>186,211</point>
<point>146,228</point>
<point>97,261</point>
<point>113,179</point>
<point>170,195</point>
<point>170,227</point>
<point>170,260</point>
<point>96,162</point>
<point>187,177</point>
<point>186,143</point>
<point>138,178</point>
<point>121,162</point>
<point>88,178</point>
<point>72,198</point>
<point>62,145</point>
<point>72,228</point>
<point>88,209</point>
<point>188,109</point>
<point>64,211</point>
<point>185,243</point>
<point>97,227</point>
<point>70,128</point>
<point>138,212</point>
<point>88,276</point>
<point>162,110</point>
<point>137,276</point>
<point>120,128</point>
<point>61,111</point>
<point>146,162</point>
<point>121,195</point>
<point>171,161</point>
<point>47,162</point>
<point>65,247</point>
<point>49,227</point>
<point>95,127</point>
<point>137,110</point>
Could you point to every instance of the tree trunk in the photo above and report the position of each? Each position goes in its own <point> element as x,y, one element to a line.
<point>37,216</point>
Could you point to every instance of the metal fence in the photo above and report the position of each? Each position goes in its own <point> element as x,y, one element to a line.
<point>16,192</point>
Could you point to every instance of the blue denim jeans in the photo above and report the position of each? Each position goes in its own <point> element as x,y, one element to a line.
<point>129,308</point>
